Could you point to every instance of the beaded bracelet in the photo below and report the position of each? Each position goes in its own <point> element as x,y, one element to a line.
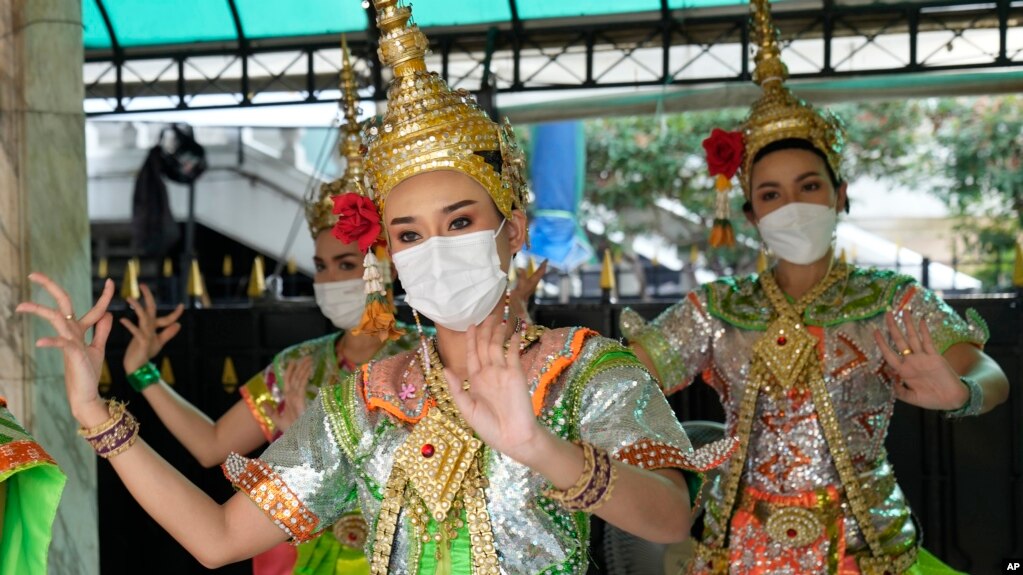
<point>595,483</point>
<point>973,404</point>
<point>144,376</point>
<point>115,435</point>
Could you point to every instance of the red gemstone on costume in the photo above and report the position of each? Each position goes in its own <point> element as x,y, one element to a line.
<point>352,537</point>
<point>791,533</point>
<point>782,340</point>
<point>427,450</point>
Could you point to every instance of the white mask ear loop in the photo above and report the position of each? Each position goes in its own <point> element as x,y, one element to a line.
<point>497,232</point>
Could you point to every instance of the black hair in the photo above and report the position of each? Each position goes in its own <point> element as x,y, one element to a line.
<point>493,158</point>
<point>795,144</point>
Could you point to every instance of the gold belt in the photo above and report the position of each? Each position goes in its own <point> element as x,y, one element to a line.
<point>794,525</point>
<point>717,561</point>
<point>797,526</point>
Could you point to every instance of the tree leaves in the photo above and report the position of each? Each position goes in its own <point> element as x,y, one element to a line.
<point>966,151</point>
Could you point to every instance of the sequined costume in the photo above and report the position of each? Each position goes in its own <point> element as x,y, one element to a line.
<point>810,488</point>
<point>389,440</point>
<point>265,391</point>
<point>342,455</point>
<point>338,550</point>
<point>32,484</point>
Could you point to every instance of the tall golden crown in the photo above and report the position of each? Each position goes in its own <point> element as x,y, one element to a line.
<point>778,114</point>
<point>319,210</point>
<point>428,126</point>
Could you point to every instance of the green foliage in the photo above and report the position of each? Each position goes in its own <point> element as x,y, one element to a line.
<point>634,161</point>
<point>982,139</point>
<point>966,151</point>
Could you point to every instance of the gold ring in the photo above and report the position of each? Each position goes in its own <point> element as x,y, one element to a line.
<point>465,385</point>
<point>70,317</point>
<point>906,352</point>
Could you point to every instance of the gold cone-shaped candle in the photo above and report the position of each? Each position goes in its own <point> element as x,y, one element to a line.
<point>607,272</point>
<point>167,371</point>
<point>195,283</point>
<point>130,283</point>
<point>1017,271</point>
<point>257,279</point>
<point>229,377</point>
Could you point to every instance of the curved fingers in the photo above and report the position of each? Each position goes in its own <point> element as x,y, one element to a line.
<point>172,317</point>
<point>55,318</point>
<point>100,308</point>
<point>57,292</point>
<point>102,332</point>
<point>147,297</point>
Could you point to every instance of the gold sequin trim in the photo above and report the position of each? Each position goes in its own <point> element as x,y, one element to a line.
<point>268,491</point>
<point>650,454</point>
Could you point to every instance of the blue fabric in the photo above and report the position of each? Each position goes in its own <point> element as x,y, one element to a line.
<point>558,172</point>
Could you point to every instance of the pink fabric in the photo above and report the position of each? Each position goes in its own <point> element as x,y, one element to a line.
<point>277,561</point>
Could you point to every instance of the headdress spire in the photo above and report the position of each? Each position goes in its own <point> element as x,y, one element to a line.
<point>428,126</point>
<point>776,115</point>
<point>779,114</point>
<point>319,211</point>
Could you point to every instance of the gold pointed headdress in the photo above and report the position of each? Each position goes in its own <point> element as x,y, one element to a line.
<point>343,206</point>
<point>777,115</point>
<point>320,210</point>
<point>428,126</point>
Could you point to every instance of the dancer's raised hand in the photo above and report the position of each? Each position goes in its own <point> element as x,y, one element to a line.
<point>146,341</point>
<point>83,362</point>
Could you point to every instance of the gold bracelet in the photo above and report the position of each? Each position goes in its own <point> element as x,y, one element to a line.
<point>115,435</point>
<point>589,464</point>
<point>115,409</point>
<point>594,485</point>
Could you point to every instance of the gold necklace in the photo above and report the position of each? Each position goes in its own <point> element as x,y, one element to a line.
<point>437,384</point>
<point>784,356</point>
<point>438,472</point>
<point>784,351</point>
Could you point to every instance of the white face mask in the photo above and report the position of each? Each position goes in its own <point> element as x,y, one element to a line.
<point>456,281</point>
<point>799,232</point>
<point>342,302</point>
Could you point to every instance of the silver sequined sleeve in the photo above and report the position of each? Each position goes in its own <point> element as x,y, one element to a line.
<point>678,341</point>
<point>946,326</point>
<point>302,481</point>
<point>623,410</point>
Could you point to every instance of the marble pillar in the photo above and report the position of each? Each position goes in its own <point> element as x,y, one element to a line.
<point>44,226</point>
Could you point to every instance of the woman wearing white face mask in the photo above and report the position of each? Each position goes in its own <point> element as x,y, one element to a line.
<point>809,358</point>
<point>483,451</point>
<point>276,396</point>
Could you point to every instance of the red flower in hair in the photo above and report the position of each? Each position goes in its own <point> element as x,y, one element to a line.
<point>358,220</point>
<point>724,152</point>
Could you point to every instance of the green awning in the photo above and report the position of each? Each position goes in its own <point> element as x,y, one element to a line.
<point>147,23</point>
